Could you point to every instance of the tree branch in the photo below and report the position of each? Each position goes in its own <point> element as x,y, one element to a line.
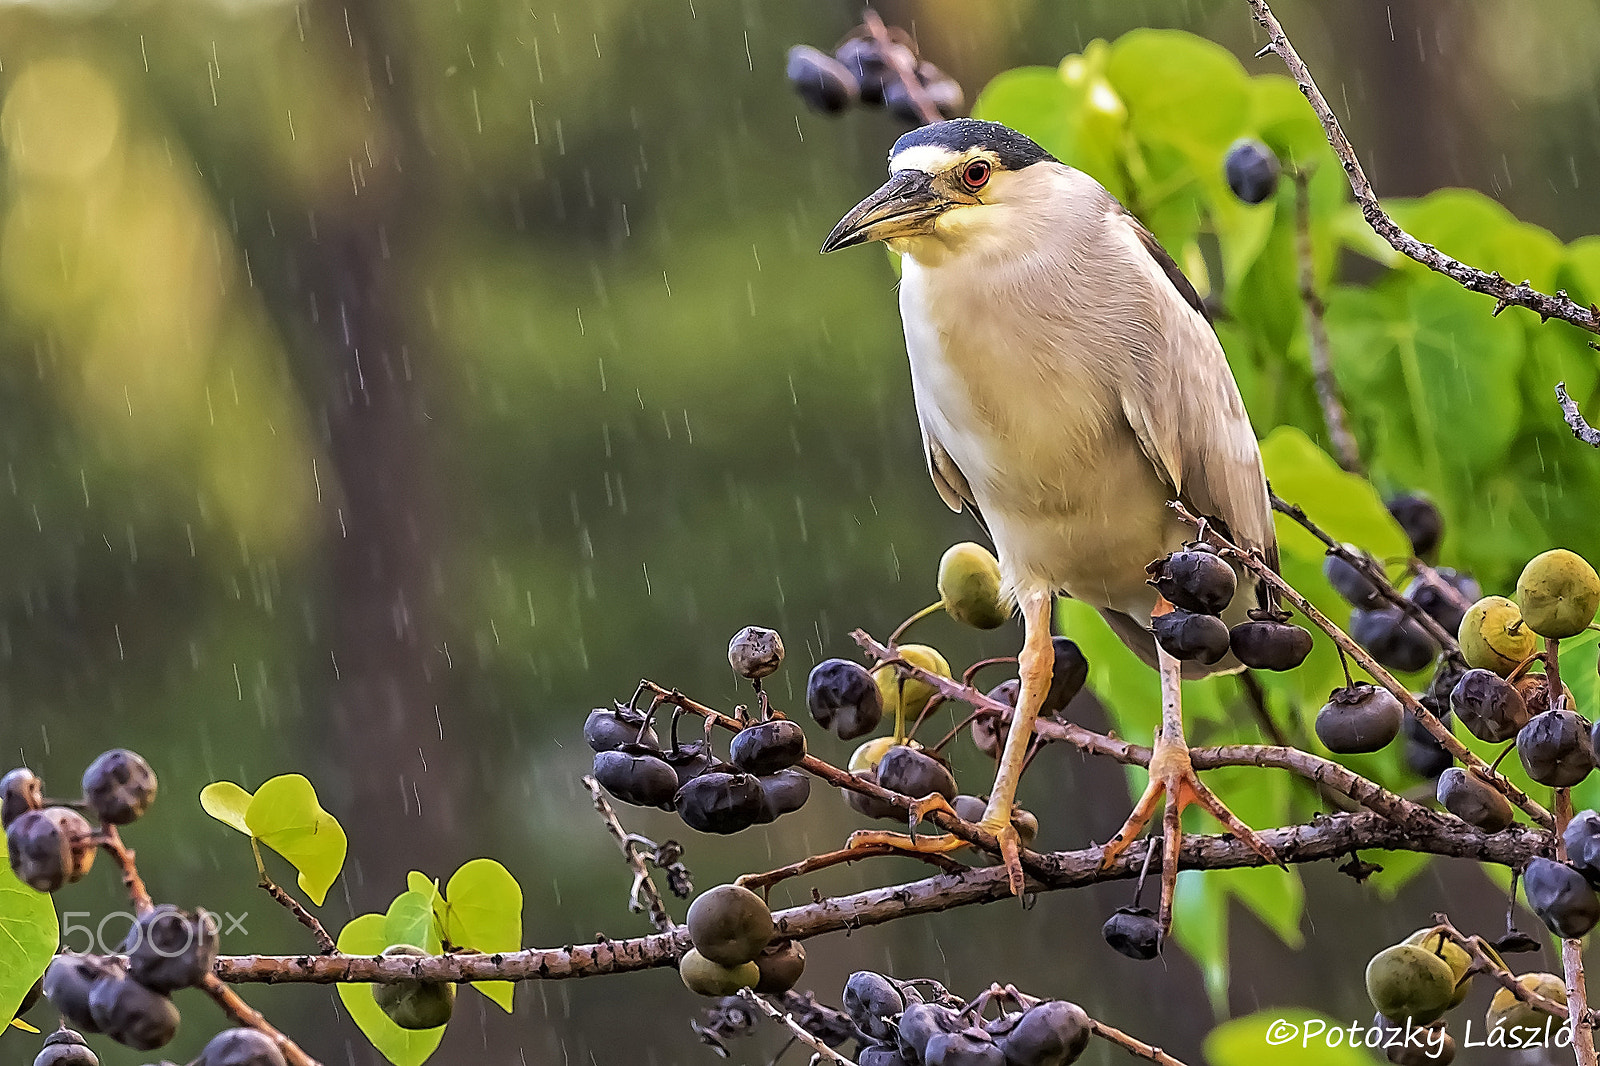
<point>1504,292</point>
<point>1424,831</point>
<point>1333,413</point>
<point>243,1014</point>
<point>1574,417</point>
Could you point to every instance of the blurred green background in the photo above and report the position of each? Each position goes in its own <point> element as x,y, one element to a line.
<point>383,385</point>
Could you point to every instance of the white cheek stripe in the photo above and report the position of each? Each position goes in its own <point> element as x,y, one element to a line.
<point>929,158</point>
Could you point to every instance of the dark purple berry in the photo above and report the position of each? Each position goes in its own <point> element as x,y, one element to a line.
<point>842,696</point>
<point>1561,897</point>
<point>132,1014</point>
<point>65,1048</point>
<point>1447,606</point>
<point>169,949</point>
<point>768,747</point>
<point>915,773</point>
<point>1134,932</point>
<point>50,848</point>
<point>824,83</point>
<point>20,791</point>
<point>1270,645</point>
<point>1252,171</point>
<point>608,730</point>
<point>1395,640</point>
<point>1360,718</point>
<point>1555,748</point>
<point>1191,636</point>
<point>718,802</point>
<point>241,1047</point>
<point>1420,519</point>
<point>1489,706</point>
<point>1357,589</point>
<point>1473,800</point>
<point>1198,581</point>
<point>119,786</point>
<point>783,793</point>
<point>637,776</point>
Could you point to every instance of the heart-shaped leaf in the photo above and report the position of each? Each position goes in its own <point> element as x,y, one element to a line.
<point>367,935</point>
<point>285,816</point>
<point>483,911</point>
<point>411,921</point>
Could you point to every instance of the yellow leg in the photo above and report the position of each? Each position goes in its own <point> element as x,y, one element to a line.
<point>1035,665</point>
<point>1172,775</point>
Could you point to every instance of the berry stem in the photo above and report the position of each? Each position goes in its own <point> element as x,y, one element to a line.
<point>1552,673</point>
<point>1572,950</point>
<point>932,608</point>
<point>824,1053</point>
<point>244,1014</point>
<point>1132,1045</point>
<point>325,944</point>
<point>124,857</point>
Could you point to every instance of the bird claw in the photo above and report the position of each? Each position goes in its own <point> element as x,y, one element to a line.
<point>1173,777</point>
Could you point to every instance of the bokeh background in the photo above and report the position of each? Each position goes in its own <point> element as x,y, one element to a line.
<point>384,385</point>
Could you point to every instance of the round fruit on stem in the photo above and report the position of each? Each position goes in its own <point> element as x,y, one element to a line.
<point>969,586</point>
<point>1555,748</point>
<point>169,949</point>
<point>872,1000</point>
<point>1252,170</point>
<point>768,747</point>
<point>1561,897</point>
<point>1421,521</point>
<point>132,1014</point>
<point>720,802</point>
<point>907,697</point>
<point>1424,754</point>
<point>755,652</point>
<point>1191,636</point>
<point>913,773</point>
<point>781,963</point>
<point>1582,840</point>
<point>1489,706</point>
<point>21,791</point>
<point>637,776</point>
<point>1409,981</point>
<point>1269,644</point>
<point>871,806</point>
<point>1455,956</point>
<point>1505,1009</point>
<point>783,793</point>
<point>1360,718</point>
<point>68,981</point>
<point>609,729</point>
<point>50,848</point>
<point>1473,800</point>
<point>65,1048</point>
<point>824,83</point>
<point>415,1005</point>
<point>920,1024</point>
<point>730,925</point>
<point>843,697</point>
<point>1494,637</point>
<point>1354,586</point>
<point>1394,639</point>
<point>1054,1033</point>
<point>241,1047</point>
<point>119,786</point>
<point>706,978</point>
<point>1443,607</point>
<point>1558,593</point>
<point>1134,932</point>
<point>1196,580</point>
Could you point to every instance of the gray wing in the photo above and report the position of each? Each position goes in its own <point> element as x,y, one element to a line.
<point>1183,404</point>
<point>948,478</point>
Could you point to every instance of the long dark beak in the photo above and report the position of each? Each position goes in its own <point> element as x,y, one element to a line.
<point>906,206</point>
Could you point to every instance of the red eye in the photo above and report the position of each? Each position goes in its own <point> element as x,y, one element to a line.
<point>975,175</point>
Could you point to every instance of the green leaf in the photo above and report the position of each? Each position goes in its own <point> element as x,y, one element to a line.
<point>1035,101</point>
<point>1180,90</point>
<point>411,921</point>
<point>483,907</point>
<point>1471,227</point>
<point>1260,1037</point>
<point>404,1047</point>
<point>286,817</point>
<point>1344,504</point>
<point>226,802</point>
<point>29,933</point>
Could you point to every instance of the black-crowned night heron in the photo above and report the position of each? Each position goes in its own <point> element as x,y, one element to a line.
<point>1069,385</point>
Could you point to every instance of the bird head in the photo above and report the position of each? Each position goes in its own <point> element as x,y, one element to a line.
<point>949,183</point>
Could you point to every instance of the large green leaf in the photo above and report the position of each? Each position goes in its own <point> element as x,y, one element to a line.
<point>1285,1036</point>
<point>483,911</point>
<point>1345,505</point>
<point>29,933</point>
<point>366,935</point>
<point>285,816</point>
<point>1180,90</point>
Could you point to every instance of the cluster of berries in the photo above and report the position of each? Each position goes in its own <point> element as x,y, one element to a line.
<point>919,1023</point>
<point>872,71</point>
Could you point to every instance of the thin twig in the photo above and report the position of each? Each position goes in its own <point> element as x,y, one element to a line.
<point>1574,417</point>
<point>1505,293</point>
<point>1374,573</point>
<point>1132,1045</point>
<point>643,884</point>
<point>1440,731</point>
<point>1327,386</point>
<point>243,1014</point>
<point>138,895</point>
<point>813,863</point>
<point>1474,946</point>
<point>1572,951</point>
<point>904,69</point>
<point>1425,832</point>
<point>823,1051</point>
